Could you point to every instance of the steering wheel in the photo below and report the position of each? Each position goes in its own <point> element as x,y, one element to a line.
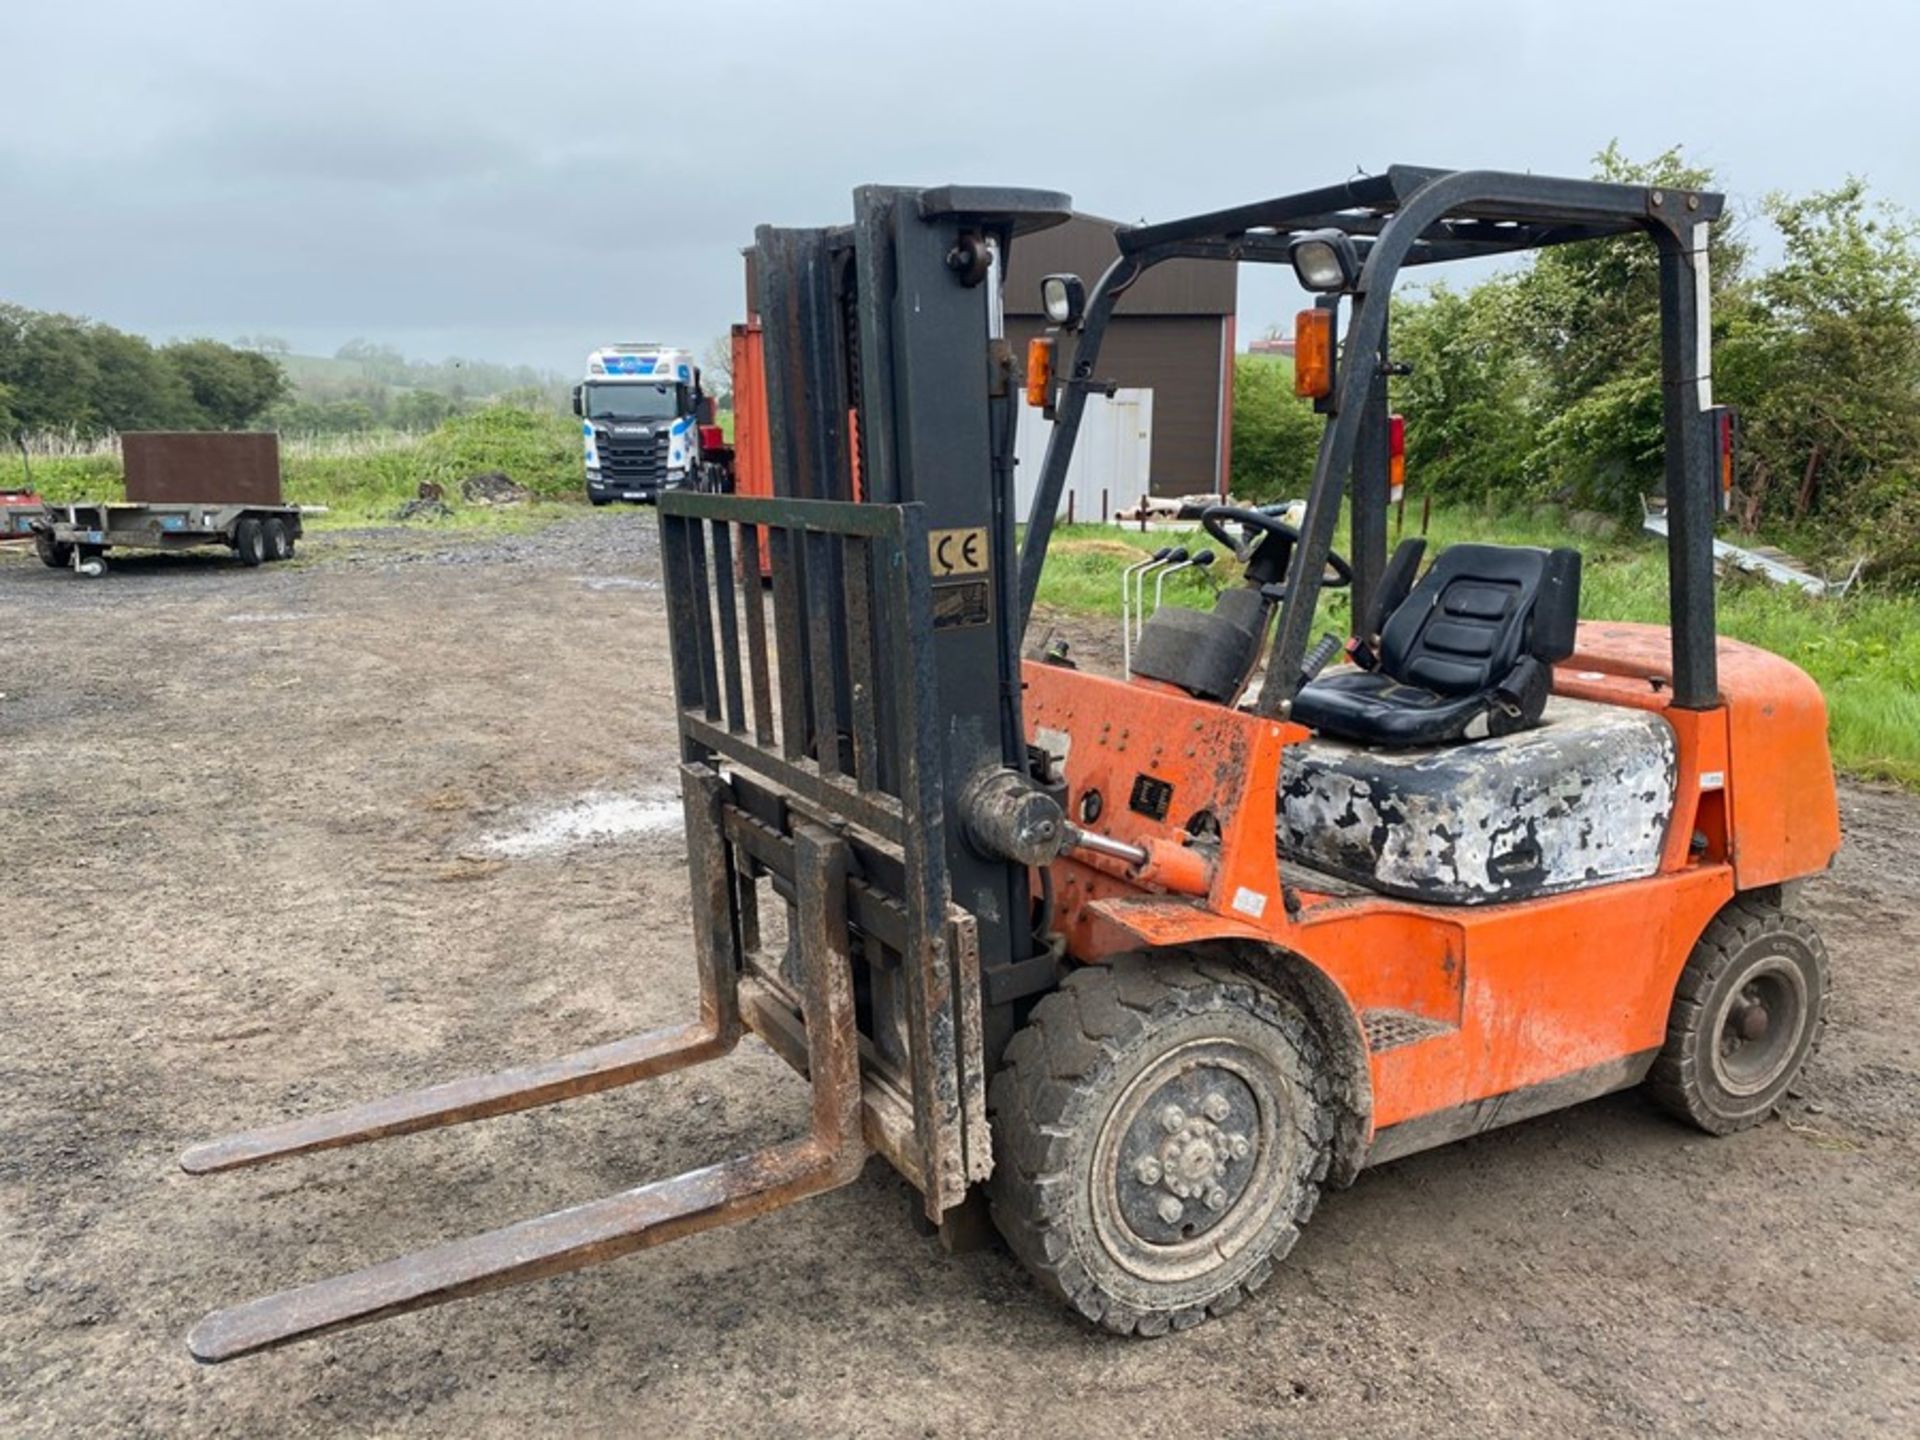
<point>1211,521</point>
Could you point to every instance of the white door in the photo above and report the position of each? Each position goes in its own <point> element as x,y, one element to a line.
<point>1112,453</point>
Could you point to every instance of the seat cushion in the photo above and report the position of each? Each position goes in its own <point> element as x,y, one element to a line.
<point>1369,706</point>
<point>1584,799</point>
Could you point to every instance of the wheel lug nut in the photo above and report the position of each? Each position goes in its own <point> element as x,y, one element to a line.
<point>1171,1209</point>
<point>1147,1172</point>
<point>1216,1199</point>
<point>1215,1107</point>
<point>1173,1119</point>
<point>1239,1146</point>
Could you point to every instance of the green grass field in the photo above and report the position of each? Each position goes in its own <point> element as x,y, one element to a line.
<point>1863,649</point>
<point>364,479</point>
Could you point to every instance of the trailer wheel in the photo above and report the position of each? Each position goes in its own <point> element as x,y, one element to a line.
<point>1161,1130</point>
<point>54,554</point>
<point>1748,1011</point>
<point>276,542</point>
<point>92,562</point>
<point>250,541</point>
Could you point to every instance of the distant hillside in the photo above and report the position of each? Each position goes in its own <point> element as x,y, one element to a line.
<point>364,386</point>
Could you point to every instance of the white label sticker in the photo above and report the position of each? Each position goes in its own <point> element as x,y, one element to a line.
<point>1713,779</point>
<point>1250,902</point>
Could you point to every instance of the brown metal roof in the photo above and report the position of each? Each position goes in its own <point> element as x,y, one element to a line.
<point>1084,246</point>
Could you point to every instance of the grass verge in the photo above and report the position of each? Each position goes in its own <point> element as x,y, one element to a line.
<point>365,479</point>
<point>1862,649</point>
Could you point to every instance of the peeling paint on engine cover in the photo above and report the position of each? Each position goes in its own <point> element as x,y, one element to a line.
<point>1582,800</point>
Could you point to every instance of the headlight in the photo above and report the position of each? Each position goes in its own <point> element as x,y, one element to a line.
<point>1325,260</point>
<point>1063,297</point>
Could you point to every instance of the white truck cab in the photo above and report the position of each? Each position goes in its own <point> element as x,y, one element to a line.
<point>639,419</point>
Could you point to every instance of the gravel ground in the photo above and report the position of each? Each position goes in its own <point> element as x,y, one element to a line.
<point>280,839</point>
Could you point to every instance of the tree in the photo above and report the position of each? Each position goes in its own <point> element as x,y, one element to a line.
<point>135,387</point>
<point>50,369</point>
<point>421,409</point>
<point>1471,399</point>
<point>231,387</point>
<point>1276,434</point>
<point>1825,367</point>
<point>716,372</point>
<point>1588,317</point>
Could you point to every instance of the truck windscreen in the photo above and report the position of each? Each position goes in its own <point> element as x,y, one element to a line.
<point>632,402</point>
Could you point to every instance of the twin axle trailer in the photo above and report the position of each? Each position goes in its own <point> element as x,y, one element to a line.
<point>77,536</point>
<point>183,490</point>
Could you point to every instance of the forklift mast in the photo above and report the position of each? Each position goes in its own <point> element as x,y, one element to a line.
<point>886,359</point>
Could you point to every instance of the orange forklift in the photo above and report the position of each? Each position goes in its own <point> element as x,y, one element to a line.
<point>1139,966</point>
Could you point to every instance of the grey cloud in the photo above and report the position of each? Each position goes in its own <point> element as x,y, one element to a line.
<point>523,181</point>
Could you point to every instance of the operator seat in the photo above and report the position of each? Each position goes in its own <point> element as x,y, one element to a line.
<point>1466,652</point>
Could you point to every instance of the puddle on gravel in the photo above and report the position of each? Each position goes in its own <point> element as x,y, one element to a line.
<point>596,818</point>
<point>616,582</point>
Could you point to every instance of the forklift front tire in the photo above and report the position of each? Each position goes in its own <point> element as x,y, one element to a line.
<point>1162,1126</point>
<point>1748,1011</point>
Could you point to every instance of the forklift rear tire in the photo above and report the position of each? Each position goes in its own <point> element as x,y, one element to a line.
<point>250,541</point>
<point>1161,1127</point>
<point>54,554</point>
<point>1748,1011</point>
<point>276,539</point>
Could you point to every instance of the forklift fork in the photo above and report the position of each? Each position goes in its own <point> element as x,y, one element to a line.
<point>833,795</point>
<point>830,1156</point>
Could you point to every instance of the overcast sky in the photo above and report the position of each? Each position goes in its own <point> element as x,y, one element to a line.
<point>521,181</point>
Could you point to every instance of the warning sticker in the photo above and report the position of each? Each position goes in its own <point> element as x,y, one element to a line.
<point>960,604</point>
<point>1250,902</point>
<point>957,552</point>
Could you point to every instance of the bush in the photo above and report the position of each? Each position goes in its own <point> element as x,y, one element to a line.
<point>1275,433</point>
<point>1469,400</point>
<point>539,450</point>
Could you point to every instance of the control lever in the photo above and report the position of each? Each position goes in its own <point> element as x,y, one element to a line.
<point>1172,557</point>
<point>1316,659</point>
<point>1126,600</point>
<point>1198,562</point>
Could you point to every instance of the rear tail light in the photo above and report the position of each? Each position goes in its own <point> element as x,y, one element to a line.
<point>1397,456</point>
<point>1726,441</point>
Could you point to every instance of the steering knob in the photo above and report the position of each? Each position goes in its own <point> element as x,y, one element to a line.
<point>1205,557</point>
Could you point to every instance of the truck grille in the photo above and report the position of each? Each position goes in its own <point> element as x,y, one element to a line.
<point>632,460</point>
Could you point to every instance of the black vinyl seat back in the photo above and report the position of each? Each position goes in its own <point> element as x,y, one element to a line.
<point>1473,640</point>
<point>1466,623</point>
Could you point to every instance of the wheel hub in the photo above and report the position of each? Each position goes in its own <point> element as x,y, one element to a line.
<point>1759,1026</point>
<point>1188,1155</point>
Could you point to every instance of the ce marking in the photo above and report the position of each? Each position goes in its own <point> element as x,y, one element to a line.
<point>957,552</point>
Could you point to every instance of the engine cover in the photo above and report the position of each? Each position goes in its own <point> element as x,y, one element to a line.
<point>1583,799</point>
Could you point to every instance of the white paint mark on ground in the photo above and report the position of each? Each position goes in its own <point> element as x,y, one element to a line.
<point>616,582</point>
<point>270,617</point>
<point>596,818</point>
